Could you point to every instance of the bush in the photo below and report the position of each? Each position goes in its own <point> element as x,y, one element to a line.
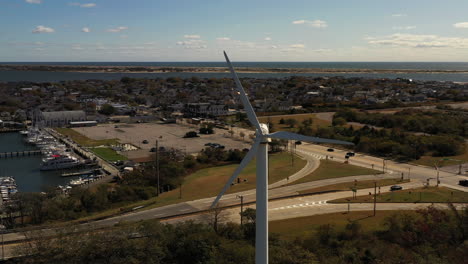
<point>191,134</point>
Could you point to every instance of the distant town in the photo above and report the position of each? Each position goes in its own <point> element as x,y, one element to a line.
<point>195,97</point>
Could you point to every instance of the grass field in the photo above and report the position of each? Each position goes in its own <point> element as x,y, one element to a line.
<point>84,140</point>
<point>306,226</point>
<point>420,195</point>
<point>345,186</point>
<point>209,182</point>
<point>331,169</point>
<point>108,154</point>
<point>452,160</point>
<point>298,117</point>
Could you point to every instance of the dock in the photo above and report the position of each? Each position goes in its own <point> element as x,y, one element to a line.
<point>8,130</point>
<point>24,153</point>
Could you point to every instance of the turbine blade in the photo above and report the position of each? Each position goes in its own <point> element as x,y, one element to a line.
<point>250,155</point>
<point>244,99</point>
<point>294,136</point>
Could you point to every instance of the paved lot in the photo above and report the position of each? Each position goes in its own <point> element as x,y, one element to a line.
<point>168,135</point>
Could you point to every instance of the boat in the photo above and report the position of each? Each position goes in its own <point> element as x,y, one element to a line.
<point>24,132</point>
<point>77,182</point>
<point>58,162</point>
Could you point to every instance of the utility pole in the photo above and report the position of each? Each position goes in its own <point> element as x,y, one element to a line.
<point>292,154</point>
<point>375,196</point>
<point>157,166</point>
<point>241,197</point>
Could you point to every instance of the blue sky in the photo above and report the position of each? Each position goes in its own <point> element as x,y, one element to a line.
<point>191,30</point>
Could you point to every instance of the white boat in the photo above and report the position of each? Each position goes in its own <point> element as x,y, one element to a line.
<point>24,132</point>
<point>58,162</point>
<point>77,182</point>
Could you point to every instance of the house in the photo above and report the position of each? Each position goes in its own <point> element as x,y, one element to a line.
<point>205,109</point>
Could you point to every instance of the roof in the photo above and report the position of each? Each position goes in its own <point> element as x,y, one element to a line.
<point>82,122</point>
<point>61,114</point>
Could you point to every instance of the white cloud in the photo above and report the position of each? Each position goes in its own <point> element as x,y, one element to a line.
<point>404,28</point>
<point>87,5</point>
<point>117,29</point>
<point>223,39</point>
<point>321,50</point>
<point>312,23</point>
<point>192,44</point>
<point>86,30</point>
<point>297,46</point>
<point>461,25</point>
<point>76,47</point>
<point>192,36</point>
<point>399,15</point>
<point>34,1</point>
<point>42,29</point>
<point>420,41</point>
<point>267,39</point>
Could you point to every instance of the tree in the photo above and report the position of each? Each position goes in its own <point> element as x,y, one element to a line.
<point>107,109</point>
<point>339,121</point>
<point>191,134</point>
<point>242,135</point>
<point>291,122</point>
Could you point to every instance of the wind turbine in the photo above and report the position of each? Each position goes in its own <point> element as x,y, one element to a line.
<point>260,151</point>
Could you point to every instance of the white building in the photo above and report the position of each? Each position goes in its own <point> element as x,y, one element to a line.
<point>61,118</point>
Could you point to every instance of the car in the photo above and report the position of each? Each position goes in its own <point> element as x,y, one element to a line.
<point>145,141</point>
<point>298,142</point>
<point>396,188</point>
<point>208,144</point>
<point>351,154</point>
<point>153,150</point>
<point>330,150</point>
<point>463,183</point>
<point>346,157</point>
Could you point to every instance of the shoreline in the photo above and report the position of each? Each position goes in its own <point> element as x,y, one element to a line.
<point>162,69</point>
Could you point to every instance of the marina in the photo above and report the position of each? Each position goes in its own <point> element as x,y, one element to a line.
<point>23,161</point>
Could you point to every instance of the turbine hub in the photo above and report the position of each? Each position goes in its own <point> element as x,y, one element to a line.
<point>265,131</point>
<point>264,128</point>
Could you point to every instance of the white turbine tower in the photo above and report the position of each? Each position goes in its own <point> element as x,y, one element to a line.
<point>260,151</point>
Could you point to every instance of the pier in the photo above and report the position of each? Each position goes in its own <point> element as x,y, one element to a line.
<point>24,153</point>
<point>8,130</point>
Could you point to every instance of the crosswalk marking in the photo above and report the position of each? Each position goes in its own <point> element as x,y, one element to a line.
<point>308,204</point>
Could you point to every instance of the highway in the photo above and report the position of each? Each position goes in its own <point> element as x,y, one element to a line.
<point>285,200</point>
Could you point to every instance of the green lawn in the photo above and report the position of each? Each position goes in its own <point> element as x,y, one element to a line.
<point>443,161</point>
<point>420,195</point>
<point>84,140</point>
<point>108,154</point>
<point>345,186</point>
<point>331,169</point>
<point>209,182</point>
<point>305,226</point>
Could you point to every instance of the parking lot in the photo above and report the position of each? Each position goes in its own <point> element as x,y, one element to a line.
<point>168,135</point>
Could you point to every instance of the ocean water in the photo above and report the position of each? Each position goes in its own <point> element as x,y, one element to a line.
<point>25,170</point>
<point>44,76</point>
